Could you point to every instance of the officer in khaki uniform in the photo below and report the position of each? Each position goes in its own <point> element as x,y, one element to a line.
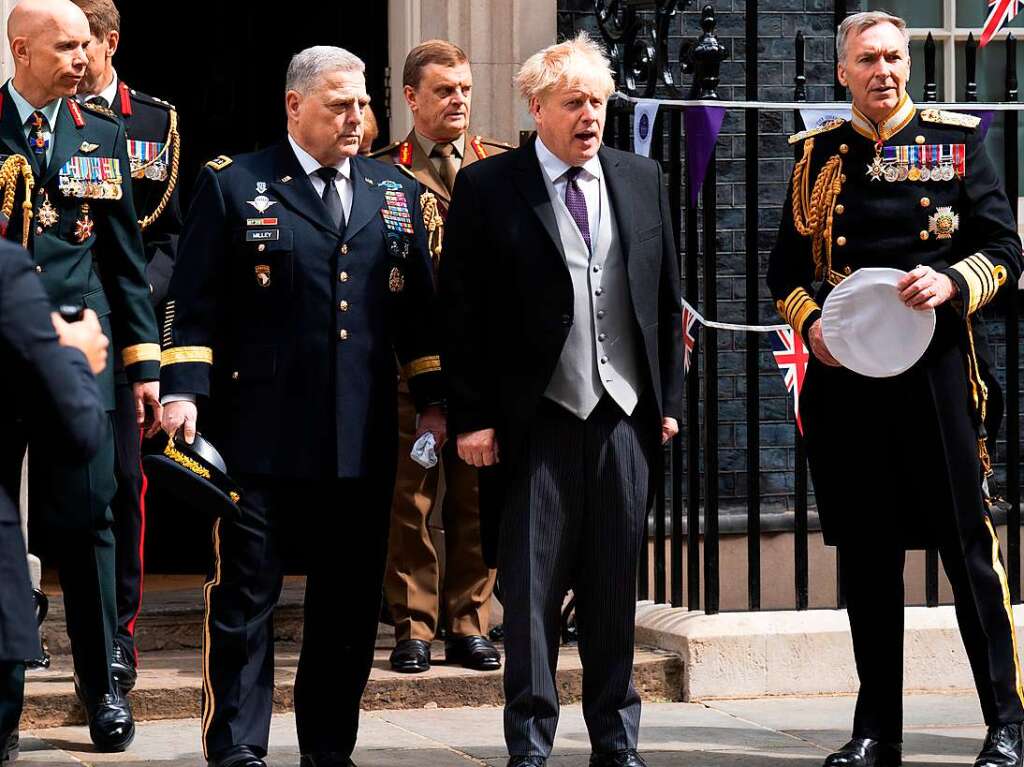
<point>899,462</point>
<point>438,84</point>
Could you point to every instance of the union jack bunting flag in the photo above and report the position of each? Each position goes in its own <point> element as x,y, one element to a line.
<point>792,357</point>
<point>1000,12</point>
<point>690,328</point>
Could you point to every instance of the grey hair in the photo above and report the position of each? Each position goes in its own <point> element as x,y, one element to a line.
<point>858,22</point>
<point>307,66</point>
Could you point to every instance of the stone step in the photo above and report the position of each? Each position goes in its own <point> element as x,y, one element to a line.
<point>170,683</point>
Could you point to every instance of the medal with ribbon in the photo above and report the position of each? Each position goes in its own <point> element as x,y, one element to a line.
<point>97,178</point>
<point>396,212</point>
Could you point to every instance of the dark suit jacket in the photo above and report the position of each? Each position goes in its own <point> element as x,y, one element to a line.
<point>52,389</point>
<point>288,330</point>
<point>507,297</point>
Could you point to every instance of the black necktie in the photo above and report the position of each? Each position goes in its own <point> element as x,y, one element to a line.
<point>331,197</point>
<point>98,101</point>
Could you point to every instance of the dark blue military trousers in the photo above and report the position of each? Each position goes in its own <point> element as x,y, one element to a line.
<point>340,528</point>
<point>873,577</point>
<point>12,696</point>
<point>574,519</point>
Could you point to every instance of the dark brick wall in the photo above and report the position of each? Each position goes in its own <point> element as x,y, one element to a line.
<point>778,23</point>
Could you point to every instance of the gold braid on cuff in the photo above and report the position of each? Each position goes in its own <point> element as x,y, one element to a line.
<point>420,366</point>
<point>132,355</point>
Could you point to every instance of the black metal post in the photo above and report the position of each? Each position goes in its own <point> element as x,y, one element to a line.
<point>658,153</point>
<point>971,63</point>
<point>800,479</point>
<point>693,526</point>
<point>1012,304</point>
<point>839,11</point>
<point>931,86</point>
<point>710,344</point>
<point>675,177</point>
<point>800,91</point>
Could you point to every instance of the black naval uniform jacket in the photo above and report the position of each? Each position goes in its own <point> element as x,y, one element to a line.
<point>113,284</point>
<point>148,119</point>
<point>891,455</point>
<point>53,389</point>
<point>288,330</point>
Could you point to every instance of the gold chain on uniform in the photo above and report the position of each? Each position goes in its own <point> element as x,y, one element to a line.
<point>14,166</point>
<point>174,143</point>
<point>813,209</point>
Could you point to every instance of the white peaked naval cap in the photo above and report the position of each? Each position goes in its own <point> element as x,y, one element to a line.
<point>870,330</point>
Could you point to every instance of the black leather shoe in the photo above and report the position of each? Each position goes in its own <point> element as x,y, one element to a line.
<point>326,760</point>
<point>9,746</point>
<point>111,725</point>
<point>865,752</point>
<point>238,756</point>
<point>411,656</point>
<point>1003,747</point>
<point>526,761</point>
<point>122,668</point>
<point>474,652</point>
<point>626,758</point>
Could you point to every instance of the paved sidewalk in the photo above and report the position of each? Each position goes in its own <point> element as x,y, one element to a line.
<point>767,732</point>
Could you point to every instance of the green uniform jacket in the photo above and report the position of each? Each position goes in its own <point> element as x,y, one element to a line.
<point>77,222</point>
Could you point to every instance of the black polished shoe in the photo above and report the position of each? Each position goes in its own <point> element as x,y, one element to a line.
<point>526,761</point>
<point>627,758</point>
<point>237,756</point>
<point>122,668</point>
<point>9,746</point>
<point>326,760</point>
<point>474,652</point>
<point>865,752</point>
<point>111,726</point>
<point>411,656</point>
<point>1003,747</point>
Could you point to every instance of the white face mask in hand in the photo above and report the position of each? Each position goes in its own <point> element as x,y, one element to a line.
<point>424,451</point>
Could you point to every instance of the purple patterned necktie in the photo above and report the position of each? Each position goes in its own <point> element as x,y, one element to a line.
<point>577,204</point>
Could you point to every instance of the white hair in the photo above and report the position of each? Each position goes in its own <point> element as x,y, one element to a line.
<point>566,65</point>
<point>308,66</point>
<point>858,22</point>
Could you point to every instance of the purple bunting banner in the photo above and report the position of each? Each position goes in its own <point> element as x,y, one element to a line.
<point>702,126</point>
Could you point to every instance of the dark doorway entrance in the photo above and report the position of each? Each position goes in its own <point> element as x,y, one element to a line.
<point>222,64</point>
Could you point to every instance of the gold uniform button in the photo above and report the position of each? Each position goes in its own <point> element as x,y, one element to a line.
<point>261,247</point>
<point>925,202</point>
<point>924,234</point>
<point>39,230</point>
<point>840,241</point>
<point>343,277</point>
<point>843,148</point>
<point>39,269</point>
<point>344,250</point>
<point>234,375</point>
<point>840,209</point>
<point>842,178</point>
<point>847,271</point>
<point>919,139</point>
<point>343,306</point>
<point>343,335</point>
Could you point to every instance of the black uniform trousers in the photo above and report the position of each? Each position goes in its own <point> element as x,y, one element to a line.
<point>574,518</point>
<point>129,510</point>
<point>72,501</point>
<point>873,577</point>
<point>342,528</point>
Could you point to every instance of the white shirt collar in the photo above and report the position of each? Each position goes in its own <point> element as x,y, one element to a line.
<point>109,93</point>
<point>25,109</point>
<point>310,165</point>
<point>555,168</point>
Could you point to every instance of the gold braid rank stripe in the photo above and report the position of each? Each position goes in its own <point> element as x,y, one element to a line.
<point>183,460</point>
<point>140,353</point>
<point>983,280</point>
<point>813,209</point>
<point>979,394</point>
<point>420,366</point>
<point>796,308</point>
<point>434,225</point>
<point>174,143</point>
<point>181,354</point>
<point>14,166</point>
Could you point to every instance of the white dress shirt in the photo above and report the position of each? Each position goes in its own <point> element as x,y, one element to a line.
<point>589,182</point>
<point>343,181</point>
<point>108,94</point>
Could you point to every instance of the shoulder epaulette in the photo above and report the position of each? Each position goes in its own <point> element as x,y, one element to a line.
<point>796,138</point>
<point>407,172</point>
<point>145,97</point>
<point>386,150</point>
<point>944,117</point>
<point>219,163</point>
<point>100,110</point>
<point>495,143</point>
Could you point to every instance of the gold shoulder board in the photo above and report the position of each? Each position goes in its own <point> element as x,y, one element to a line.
<point>99,110</point>
<point>830,125</point>
<point>942,117</point>
<point>495,143</point>
<point>386,150</point>
<point>219,163</point>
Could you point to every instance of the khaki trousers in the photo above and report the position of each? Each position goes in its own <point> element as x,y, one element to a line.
<point>414,590</point>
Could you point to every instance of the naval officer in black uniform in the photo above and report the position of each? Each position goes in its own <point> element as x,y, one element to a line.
<point>302,271</point>
<point>153,149</point>
<point>76,162</point>
<point>53,393</point>
<point>899,462</point>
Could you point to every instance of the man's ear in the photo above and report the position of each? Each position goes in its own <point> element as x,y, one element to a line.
<point>841,72</point>
<point>410,97</point>
<point>292,99</point>
<point>113,40</point>
<point>19,49</point>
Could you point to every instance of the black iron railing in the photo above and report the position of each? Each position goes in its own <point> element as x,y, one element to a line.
<point>636,32</point>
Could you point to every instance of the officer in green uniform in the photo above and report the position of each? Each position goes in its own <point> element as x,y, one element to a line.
<point>74,161</point>
<point>899,462</point>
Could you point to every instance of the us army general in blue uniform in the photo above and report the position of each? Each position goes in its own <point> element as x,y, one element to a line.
<point>82,202</point>
<point>285,327</point>
<point>899,462</point>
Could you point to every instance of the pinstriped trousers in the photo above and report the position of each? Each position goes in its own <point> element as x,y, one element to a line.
<point>574,519</point>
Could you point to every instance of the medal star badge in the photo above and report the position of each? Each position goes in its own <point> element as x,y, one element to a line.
<point>875,169</point>
<point>47,215</point>
<point>263,275</point>
<point>262,203</point>
<point>84,225</point>
<point>396,280</point>
<point>943,222</point>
